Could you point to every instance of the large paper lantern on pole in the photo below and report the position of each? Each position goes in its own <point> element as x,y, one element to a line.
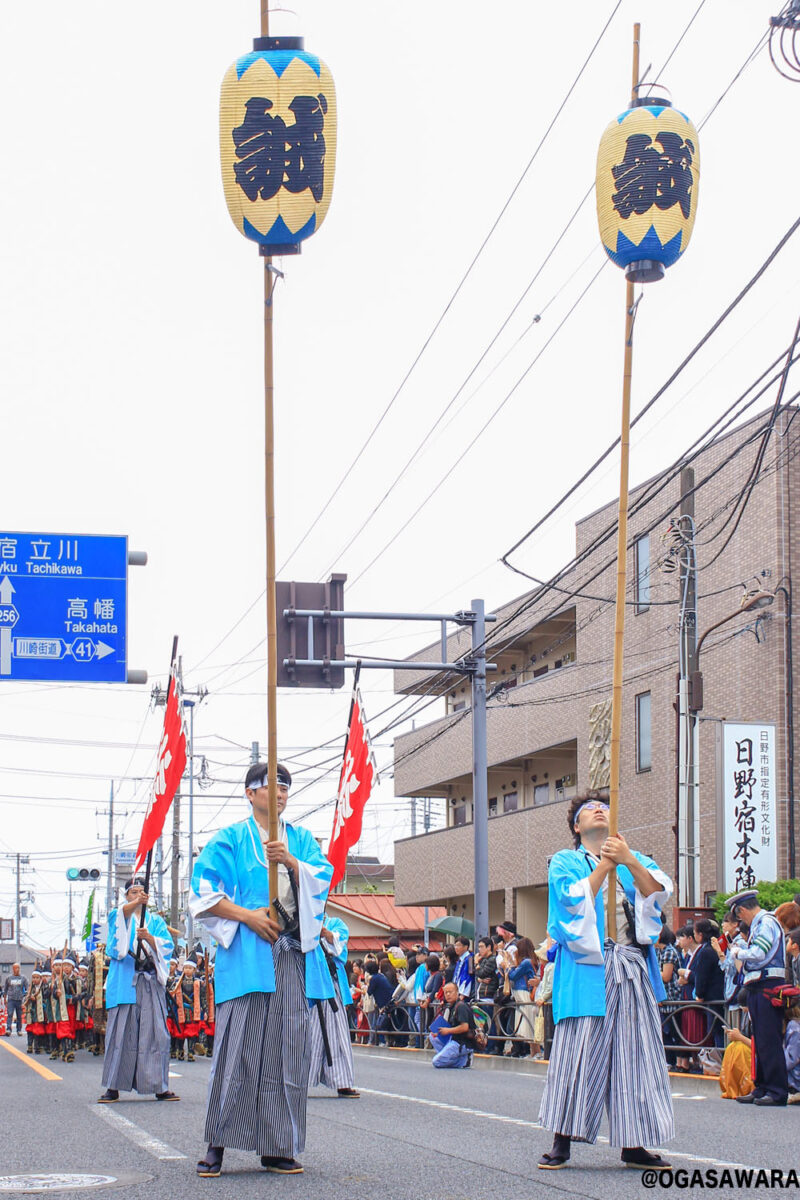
<point>278,148</point>
<point>278,143</point>
<point>648,175</point>
<point>647,183</point>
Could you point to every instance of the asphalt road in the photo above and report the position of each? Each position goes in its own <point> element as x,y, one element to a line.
<point>416,1134</point>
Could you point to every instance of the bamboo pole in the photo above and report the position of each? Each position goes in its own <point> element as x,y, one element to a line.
<point>622,549</point>
<point>269,505</point>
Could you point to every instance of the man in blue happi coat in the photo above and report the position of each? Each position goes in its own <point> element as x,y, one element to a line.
<point>331,1047</point>
<point>266,975</point>
<point>607,1047</point>
<point>137,1041</point>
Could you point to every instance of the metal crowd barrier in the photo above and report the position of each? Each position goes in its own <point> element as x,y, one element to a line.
<point>504,1020</point>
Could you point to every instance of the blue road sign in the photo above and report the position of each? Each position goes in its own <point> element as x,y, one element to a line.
<point>63,607</point>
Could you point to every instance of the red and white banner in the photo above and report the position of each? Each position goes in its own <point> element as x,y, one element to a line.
<point>359,775</point>
<point>169,771</point>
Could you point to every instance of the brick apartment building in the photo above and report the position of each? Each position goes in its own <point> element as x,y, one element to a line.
<point>547,728</point>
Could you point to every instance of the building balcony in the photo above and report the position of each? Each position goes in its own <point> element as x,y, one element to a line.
<point>438,868</point>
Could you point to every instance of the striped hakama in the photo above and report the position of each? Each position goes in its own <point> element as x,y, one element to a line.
<point>340,1073</point>
<point>258,1087</point>
<point>616,1061</point>
<point>137,1042</point>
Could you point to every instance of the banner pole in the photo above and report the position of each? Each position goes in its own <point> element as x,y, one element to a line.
<point>353,695</point>
<point>149,859</point>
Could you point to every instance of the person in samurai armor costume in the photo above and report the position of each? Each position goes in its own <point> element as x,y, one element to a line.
<point>208,1023</point>
<point>63,1003</point>
<point>266,973</point>
<point>137,1042</point>
<point>50,1042</point>
<point>607,1048</point>
<point>331,1048</point>
<point>33,1012</point>
<point>96,999</point>
<point>189,996</point>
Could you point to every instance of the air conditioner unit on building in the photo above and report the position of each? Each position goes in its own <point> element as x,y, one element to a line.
<point>568,781</point>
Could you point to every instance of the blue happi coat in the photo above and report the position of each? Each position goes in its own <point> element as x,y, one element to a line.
<point>233,866</point>
<point>121,949</point>
<point>577,922</point>
<point>337,949</point>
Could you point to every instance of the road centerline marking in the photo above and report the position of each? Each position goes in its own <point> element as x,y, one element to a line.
<point>477,1112</point>
<point>136,1134</point>
<point>45,1072</point>
<point>472,1112</point>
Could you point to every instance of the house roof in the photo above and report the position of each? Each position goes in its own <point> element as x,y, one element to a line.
<point>9,953</point>
<point>382,911</point>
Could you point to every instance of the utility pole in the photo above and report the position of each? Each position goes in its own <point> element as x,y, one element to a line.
<point>111,863</point>
<point>688,726</point>
<point>189,920</point>
<point>176,857</point>
<point>480,786</point>
<point>255,753</point>
<point>19,908</point>
<point>70,931</point>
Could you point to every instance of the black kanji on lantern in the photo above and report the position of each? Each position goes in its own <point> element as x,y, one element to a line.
<point>273,154</point>
<point>647,176</point>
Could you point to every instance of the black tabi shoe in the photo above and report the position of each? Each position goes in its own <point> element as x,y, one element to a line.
<point>638,1157</point>
<point>558,1156</point>
<point>109,1097</point>
<point>281,1166</point>
<point>349,1093</point>
<point>210,1167</point>
<point>166,1096</point>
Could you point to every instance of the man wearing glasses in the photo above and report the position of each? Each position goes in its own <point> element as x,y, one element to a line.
<point>266,972</point>
<point>607,1049</point>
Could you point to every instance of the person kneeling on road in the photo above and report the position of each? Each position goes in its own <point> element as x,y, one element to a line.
<point>453,1034</point>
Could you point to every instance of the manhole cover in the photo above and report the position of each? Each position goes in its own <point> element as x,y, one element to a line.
<point>31,1184</point>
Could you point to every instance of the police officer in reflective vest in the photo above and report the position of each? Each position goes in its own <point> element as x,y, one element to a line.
<point>763,961</point>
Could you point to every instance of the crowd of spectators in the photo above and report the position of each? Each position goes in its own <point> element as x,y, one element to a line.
<point>705,1010</point>
<point>505,981</point>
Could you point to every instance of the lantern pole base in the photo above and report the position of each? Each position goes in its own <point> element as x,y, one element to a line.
<point>646,270</point>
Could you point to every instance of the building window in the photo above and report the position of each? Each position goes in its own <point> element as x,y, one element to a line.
<point>460,814</point>
<point>510,802</point>
<point>643,732</point>
<point>641,561</point>
<point>541,793</point>
<point>493,806</point>
<point>537,674</point>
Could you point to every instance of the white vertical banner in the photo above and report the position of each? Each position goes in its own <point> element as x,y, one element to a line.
<point>749,817</point>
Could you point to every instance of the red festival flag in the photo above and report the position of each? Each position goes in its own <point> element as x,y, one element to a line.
<point>356,781</point>
<point>169,771</point>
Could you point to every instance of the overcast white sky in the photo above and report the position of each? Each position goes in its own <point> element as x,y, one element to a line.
<point>131,346</point>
